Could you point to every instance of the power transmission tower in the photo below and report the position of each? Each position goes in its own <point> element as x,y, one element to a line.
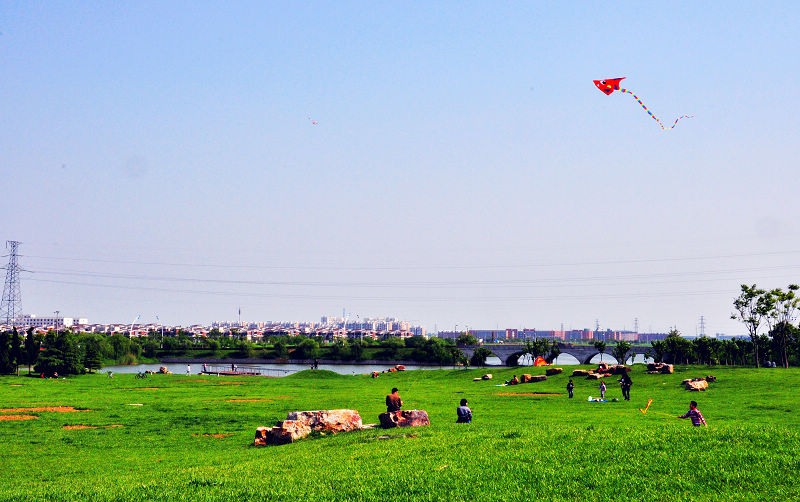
<point>702,326</point>
<point>9,308</point>
<point>635,324</point>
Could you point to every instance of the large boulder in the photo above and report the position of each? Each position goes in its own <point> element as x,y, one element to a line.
<point>583,373</point>
<point>328,420</point>
<point>553,371</point>
<point>404,418</point>
<point>534,378</point>
<point>696,385</point>
<point>284,432</point>
<point>711,378</point>
<point>299,424</point>
<point>619,369</point>
<point>596,376</point>
<point>525,378</point>
<point>663,368</point>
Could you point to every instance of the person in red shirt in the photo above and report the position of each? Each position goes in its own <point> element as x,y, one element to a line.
<point>695,415</point>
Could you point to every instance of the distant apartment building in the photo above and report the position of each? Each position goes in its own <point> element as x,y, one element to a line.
<point>651,337</point>
<point>34,321</point>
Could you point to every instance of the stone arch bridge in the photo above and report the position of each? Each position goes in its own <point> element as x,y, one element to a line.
<point>583,353</point>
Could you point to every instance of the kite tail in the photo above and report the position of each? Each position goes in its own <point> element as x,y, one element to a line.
<point>651,113</point>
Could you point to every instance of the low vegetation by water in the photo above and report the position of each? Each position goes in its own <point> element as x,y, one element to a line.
<point>173,437</point>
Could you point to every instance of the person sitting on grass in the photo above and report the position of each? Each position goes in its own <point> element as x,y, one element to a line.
<point>393,401</point>
<point>514,381</point>
<point>464,413</point>
<point>695,415</point>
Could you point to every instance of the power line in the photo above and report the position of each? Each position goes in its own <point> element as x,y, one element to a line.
<point>541,282</point>
<point>419,298</point>
<point>416,267</point>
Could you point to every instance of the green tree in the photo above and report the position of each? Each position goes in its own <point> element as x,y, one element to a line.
<point>479,356</point>
<point>16,350</point>
<point>92,359</point>
<point>466,339</point>
<point>752,306</point>
<point>6,365</point>
<point>31,349</point>
<point>679,348</point>
<point>307,349</point>
<point>600,346</point>
<point>281,348</point>
<point>621,351</point>
<point>356,349</point>
<point>537,347</point>
<point>659,349</point>
<point>555,351</point>
<point>392,347</point>
<point>784,308</point>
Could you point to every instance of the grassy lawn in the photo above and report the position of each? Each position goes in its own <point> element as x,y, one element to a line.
<point>191,439</point>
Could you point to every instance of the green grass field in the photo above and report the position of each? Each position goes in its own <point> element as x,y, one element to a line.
<point>523,447</point>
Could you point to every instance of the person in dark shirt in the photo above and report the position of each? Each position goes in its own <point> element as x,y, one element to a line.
<point>570,386</point>
<point>625,382</point>
<point>393,401</point>
<point>464,413</point>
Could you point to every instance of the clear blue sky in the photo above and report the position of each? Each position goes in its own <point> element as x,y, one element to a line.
<point>158,157</point>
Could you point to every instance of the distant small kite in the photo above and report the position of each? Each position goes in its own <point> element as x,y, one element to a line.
<point>610,85</point>
<point>313,122</point>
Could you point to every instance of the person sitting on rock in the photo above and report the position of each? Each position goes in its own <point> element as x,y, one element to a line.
<point>464,413</point>
<point>393,401</point>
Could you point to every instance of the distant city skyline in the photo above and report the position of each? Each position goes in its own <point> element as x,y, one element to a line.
<point>459,167</point>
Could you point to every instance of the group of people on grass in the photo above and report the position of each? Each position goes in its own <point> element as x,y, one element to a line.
<point>394,403</point>
<point>625,384</point>
<point>464,412</point>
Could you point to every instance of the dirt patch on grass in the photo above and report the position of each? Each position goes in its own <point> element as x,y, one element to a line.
<point>146,388</point>
<point>57,409</point>
<point>231,383</point>
<point>17,417</point>
<point>79,427</point>
<point>15,385</point>
<point>526,394</point>
<point>247,400</point>
<point>191,380</point>
<point>211,435</point>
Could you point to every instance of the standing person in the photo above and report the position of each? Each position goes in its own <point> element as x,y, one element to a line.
<point>464,413</point>
<point>188,369</point>
<point>570,386</point>
<point>625,382</point>
<point>695,415</point>
<point>205,367</point>
<point>393,401</point>
<point>602,389</point>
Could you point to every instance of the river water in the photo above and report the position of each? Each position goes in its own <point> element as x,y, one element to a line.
<point>266,368</point>
<point>343,369</point>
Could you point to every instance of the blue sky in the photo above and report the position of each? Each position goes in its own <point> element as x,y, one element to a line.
<point>159,158</point>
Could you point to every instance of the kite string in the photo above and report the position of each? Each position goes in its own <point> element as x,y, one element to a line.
<point>651,113</point>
